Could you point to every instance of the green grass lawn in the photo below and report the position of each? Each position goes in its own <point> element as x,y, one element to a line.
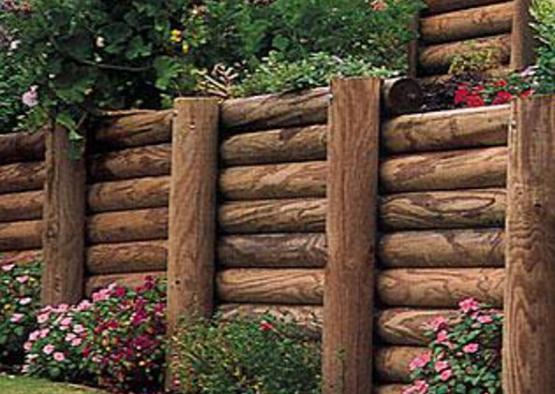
<point>24,385</point>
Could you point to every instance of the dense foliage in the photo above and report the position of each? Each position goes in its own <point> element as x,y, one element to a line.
<point>247,356</point>
<point>464,355</point>
<point>19,299</point>
<point>544,13</point>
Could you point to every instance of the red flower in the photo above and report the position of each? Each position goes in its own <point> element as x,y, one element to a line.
<point>475,100</point>
<point>500,84</point>
<point>527,93</point>
<point>265,326</point>
<point>461,94</point>
<point>502,97</point>
<point>120,291</point>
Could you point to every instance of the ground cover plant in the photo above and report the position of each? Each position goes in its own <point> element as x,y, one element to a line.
<point>10,384</point>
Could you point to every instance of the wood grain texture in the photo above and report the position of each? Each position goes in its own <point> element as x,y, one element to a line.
<point>21,235</point>
<point>275,146</point>
<point>440,288</point>
<point>446,130</point>
<point>150,160</point>
<point>273,250</point>
<point>127,257</point>
<point>460,169</point>
<point>192,208</point>
<point>270,181</point>
<point>271,286</point>
<point>130,130</point>
<point>21,206</point>
<point>354,128</point>
<point>292,215</point>
<point>20,257</point>
<point>150,192</point>
<point>16,147</point>
<point>437,58</point>
<point>126,226</point>
<point>441,6</point>
<point>24,176</point>
<point>128,280</point>
<point>468,23</point>
<point>529,332</point>
<point>523,42</point>
<point>63,238</point>
<point>443,248</point>
<point>392,362</point>
<point>390,389</point>
<point>449,209</point>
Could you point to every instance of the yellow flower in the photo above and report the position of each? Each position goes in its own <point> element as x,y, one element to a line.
<point>185,47</point>
<point>176,36</point>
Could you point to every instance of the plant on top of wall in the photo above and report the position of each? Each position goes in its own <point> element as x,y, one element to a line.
<point>544,14</point>
<point>464,354</point>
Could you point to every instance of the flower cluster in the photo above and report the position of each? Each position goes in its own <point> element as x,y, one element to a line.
<point>464,354</point>
<point>19,299</point>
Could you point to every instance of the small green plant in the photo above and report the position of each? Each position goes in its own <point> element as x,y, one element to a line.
<point>248,356</point>
<point>544,14</point>
<point>474,60</point>
<point>464,354</point>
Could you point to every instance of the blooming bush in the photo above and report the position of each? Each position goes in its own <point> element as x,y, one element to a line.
<point>115,341</point>
<point>19,299</point>
<point>464,355</point>
<point>245,356</point>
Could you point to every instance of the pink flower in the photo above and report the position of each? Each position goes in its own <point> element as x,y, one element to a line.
<point>48,349</point>
<point>44,332</point>
<point>420,361</point>
<point>441,365</point>
<point>62,308</point>
<point>43,317</point>
<point>471,348</point>
<point>16,317</point>
<point>25,301</point>
<point>84,305</point>
<point>31,97</point>
<point>446,375</point>
<point>34,336</point>
<point>379,5</point>
<point>438,323</point>
<point>485,319</point>
<point>76,342</point>
<point>419,387</point>
<point>59,356</point>
<point>66,321</point>
<point>22,279</point>
<point>78,329</point>
<point>8,267</point>
<point>442,337</point>
<point>27,346</point>
<point>70,337</point>
<point>469,304</point>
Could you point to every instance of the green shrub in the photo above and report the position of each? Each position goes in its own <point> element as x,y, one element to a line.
<point>544,13</point>
<point>247,356</point>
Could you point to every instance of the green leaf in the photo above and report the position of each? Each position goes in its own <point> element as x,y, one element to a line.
<point>167,69</point>
<point>137,48</point>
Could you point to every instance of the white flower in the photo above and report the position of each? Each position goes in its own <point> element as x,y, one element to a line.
<point>14,45</point>
<point>100,42</point>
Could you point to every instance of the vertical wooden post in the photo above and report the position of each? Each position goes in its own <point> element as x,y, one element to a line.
<point>63,221</point>
<point>529,333</point>
<point>192,209</point>
<point>523,45</point>
<point>354,120</point>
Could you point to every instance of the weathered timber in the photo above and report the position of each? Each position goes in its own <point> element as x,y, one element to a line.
<point>273,250</point>
<point>440,6</point>
<point>21,206</point>
<point>291,180</point>
<point>441,288</point>
<point>392,362</point>
<point>275,146</point>
<point>437,58</point>
<point>19,177</point>
<point>405,326</point>
<point>308,317</point>
<point>293,215</point>
<point>135,129</point>
<point>443,248</point>
<point>192,210</point>
<point>351,230</point>
<point>126,226</point>
<point>127,257</point>
<point>401,95</point>
<point>467,23</point>
<point>523,44</point>
<point>151,192</point>
<point>390,389</point>
<point>20,257</point>
<point>16,147</point>
<point>445,130</point>
<point>449,209</point>
<point>271,286</point>
<point>151,160</point>
<point>63,238</point>
<point>460,169</point>
<point>132,281</point>
<point>20,235</point>
<point>529,332</point>
<point>502,71</point>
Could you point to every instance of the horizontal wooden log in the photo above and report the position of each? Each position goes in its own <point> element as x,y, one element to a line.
<point>444,209</point>
<point>390,389</point>
<point>16,147</point>
<point>22,235</point>
<point>21,206</point>
<point>460,169</point>
<point>271,286</point>
<point>309,318</point>
<point>392,362</point>
<point>128,130</point>
<point>127,226</point>
<point>443,248</point>
<point>440,288</point>
<point>20,257</point>
<point>127,257</point>
<point>445,130</point>
<point>502,71</point>
<point>437,58</point>
<point>19,177</point>
<point>468,23</point>
<point>269,181</point>
<point>404,326</point>
<point>273,250</point>
<point>151,160</point>
<point>151,192</point>
<point>440,6</point>
<point>275,146</point>
<point>131,281</point>
<point>293,215</point>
